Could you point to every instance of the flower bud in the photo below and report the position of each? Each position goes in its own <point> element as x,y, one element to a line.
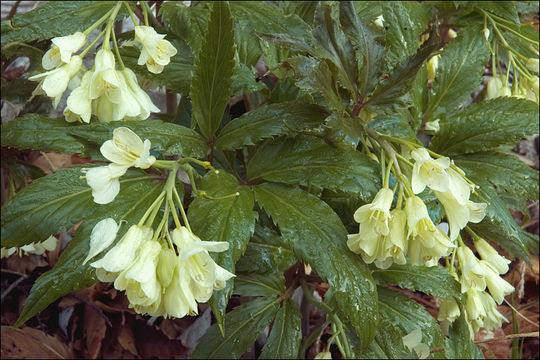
<point>532,64</point>
<point>490,255</point>
<point>432,66</point>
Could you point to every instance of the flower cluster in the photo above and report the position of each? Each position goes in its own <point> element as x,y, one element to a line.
<point>163,274</point>
<point>386,236</point>
<point>125,150</point>
<point>109,93</point>
<point>156,279</point>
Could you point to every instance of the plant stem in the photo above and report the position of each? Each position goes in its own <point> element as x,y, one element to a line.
<point>97,23</point>
<point>117,51</point>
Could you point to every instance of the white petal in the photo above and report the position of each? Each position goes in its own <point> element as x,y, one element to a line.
<point>103,235</point>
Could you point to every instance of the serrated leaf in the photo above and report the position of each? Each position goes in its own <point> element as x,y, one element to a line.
<point>307,160</point>
<point>334,44</point>
<point>486,125</point>
<point>244,324</point>
<point>506,172</point>
<point>265,252</point>
<point>35,132</point>
<point>372,52</point>
<point>284,339</point>
<point>433,280</point>
<point>176,76</point>
<point>232,220</point>
<point>399,81</point>
<point>57,18</point>
<point>316,235</point>
<point>396,124</point>
<point>69,274</point>
<point>51,203</point>
<point>504,9</point>
<point>459,344</point>
<point>407,315</point>
<point>253,284</point>
<point>404,22</point>
<point>388,343</point>
<point>171,139</point>
<point>213,69</point>
<point>461,66</point>
<point>268,121</point>
<point>499,225</point>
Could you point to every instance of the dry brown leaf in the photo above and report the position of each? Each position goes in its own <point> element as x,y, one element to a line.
<point>151,343</point>
<point>169,328</point>
<point>94,328</point>
<point>499,349</point>
<point>32,343</point>
<point>52,161</point>
<point>25,264</point>
<point>126,338</point>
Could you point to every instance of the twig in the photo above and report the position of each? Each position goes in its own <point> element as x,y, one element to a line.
<point>519,314</point>
<point>12,272</point>
<point>98,310</point>
<point>505,337</point>
<point>13,10</point>
<point>13,285</point>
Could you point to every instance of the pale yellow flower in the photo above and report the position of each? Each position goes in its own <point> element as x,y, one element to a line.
<point>433,127</point>
<point>490,255</point>
<point>498,287</point>
<point>413,342</point>
<point>493,318</point>
<point>79,104</point>
<point>156,52</point>
<point>62,49</point>
<point>429,172</point>
<point>105,79</point>
<point>432,67</point>
<point>127,149</point>
<point>103,235</point>
<point>143,105</point>
<point>532,64</point>
<point>105,182</point>
<point>427,242</point>
<point>473,274</point>
<point>448,313</point>
<point>53,83</point>
<point>497,88</point>
<point>460,215</point>
<point>376,214</point>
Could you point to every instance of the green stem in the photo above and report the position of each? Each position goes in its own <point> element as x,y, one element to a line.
<point>338,341</point>
<point>383,166</point>
<point>122,67</point>
<point>97,23</point>
<point>174,214</point>
<point>518,34</point>
<point>133,18</point>
<point>181,207</point>
<point>156,203</point>
<point>92,44</point>
<point>387,175</point>
<point>144,6</point>
<point>112,17</point>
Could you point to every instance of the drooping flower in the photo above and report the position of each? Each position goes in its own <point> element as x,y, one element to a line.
<point>127,149</point>
<point>448,313</point>
<point>493,318</point>
<point>459,215</point>
<point>196,275</point>
<point>413,342</point>
<point>429,172</point>
<point>123,254</point>
<point>156,52</point>
<point>433,127</point>
<point>144,105</point>
<point>376,214</point>
<point>105,182</point>
<point>79,104</point>
<point>53,83</point>
<point>497,88</point>
<point>103,235</point>
<point>105,79</point>
<point>498,287</point>
<point>473,274</point>
<point>62,49</point>
<point>474,309</point>
<point>532,64</point>
<point>490,255</point>
<point>427,242</point>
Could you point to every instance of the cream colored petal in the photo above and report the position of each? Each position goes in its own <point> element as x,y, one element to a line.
<point>56,83</point>
<point>153,67</point>
<point>104,182</point>
<point>103,235</point>
<point>51,58</point>
<point>477,211</point>
<point>222,276</point>
<point>417,183</point>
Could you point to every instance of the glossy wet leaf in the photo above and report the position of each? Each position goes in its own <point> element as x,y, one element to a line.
<point>253,284</point>
<point>284,339</point>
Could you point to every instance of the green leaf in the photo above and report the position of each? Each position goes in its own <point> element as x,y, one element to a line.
<point>506,172</point>
<point>138,191</point>
<point>265,252</point>
<point>316,235</point>
<point>388,343</point>
<point>500,227</point>
<point>57,18</point>
<point>253,284</point>
<point>176,76</point>
<point>51,203</point>
<point>213,69</point>
<point>460,72</point>
<point>284,339</point>
<point>318,77</point>
<point>334,44</point>
<point>244,80</point>
<point>231,220</point>
<point>244,324</point>
<point>504,9</point>
<point>459,344</point>
<point>398,83</point>
<point>433,280</point>
<point>307,160</point>
<point>404,23</point>
<point>268,121</point>
<point>396,124</point>
<point>486,125</point>
<point>372,52</point>
<point>171,139</point>
<point>407,315</point>
<point>35,132</point>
